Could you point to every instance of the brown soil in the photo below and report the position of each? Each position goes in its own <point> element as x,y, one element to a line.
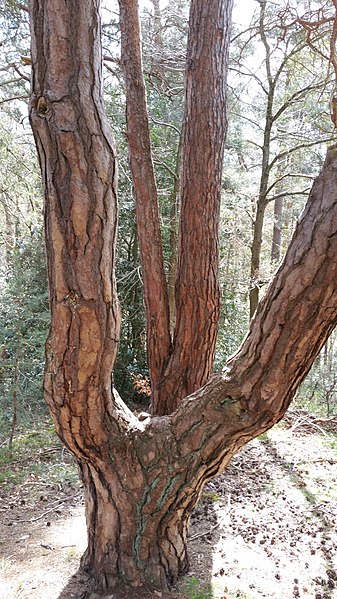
<point>263,529</point>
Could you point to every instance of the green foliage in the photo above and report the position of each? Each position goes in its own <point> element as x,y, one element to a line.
<point>24,320</point>
<point>235,229</point>
<point>196,589</point>
<point>210,497</point>
<point>37,454</point>
<point>14,73</point>
<point>20,187</point>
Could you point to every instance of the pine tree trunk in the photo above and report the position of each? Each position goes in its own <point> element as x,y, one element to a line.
<point>142,479</point>
<point>136,534</point>
<point>158,338</point>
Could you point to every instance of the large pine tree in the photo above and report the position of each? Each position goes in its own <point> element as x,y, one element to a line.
<point>142,479</point>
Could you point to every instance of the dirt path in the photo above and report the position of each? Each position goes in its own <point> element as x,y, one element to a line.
<point>266,528</point>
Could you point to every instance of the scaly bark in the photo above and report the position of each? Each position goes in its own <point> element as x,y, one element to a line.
<point>155,489</point>
<point>77,159</point>
<point>205,124</point>
<point>142,479</point>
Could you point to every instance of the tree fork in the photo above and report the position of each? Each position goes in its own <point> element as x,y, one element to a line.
<point>142,479</point>
<point>197,293</point>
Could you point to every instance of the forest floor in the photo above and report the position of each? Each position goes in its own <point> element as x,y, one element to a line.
<point>266,528</point>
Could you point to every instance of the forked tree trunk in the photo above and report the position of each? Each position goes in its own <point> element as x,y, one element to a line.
<point>142,479</point>
<point>189,361</point>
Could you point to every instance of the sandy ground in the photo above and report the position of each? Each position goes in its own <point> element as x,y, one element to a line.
<point>266,528</point>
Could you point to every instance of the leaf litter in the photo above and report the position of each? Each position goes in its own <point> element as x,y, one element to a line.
<point>265,528</point>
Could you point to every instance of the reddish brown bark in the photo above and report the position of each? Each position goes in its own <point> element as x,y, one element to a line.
<point>77,160</point>
<point>147,212</point>
<point>181,369</point>
<point>197,288</point>
<point>142,479</point>
<point>147,494</point>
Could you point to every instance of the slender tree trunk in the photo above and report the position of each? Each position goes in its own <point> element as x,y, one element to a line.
<point>256,256</point>
<point>174,224</point>
<point>261,203</point>
<point>277,231</point>
<point>147,212</point>
<point>158,38</point>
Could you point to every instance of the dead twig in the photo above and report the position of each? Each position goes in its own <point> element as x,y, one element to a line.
<point>51,509</point>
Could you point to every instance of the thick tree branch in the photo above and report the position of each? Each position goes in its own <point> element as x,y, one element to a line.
<point>78,163</point>
<point>291,325</point>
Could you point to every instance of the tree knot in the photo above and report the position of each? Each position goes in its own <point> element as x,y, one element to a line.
<point>42,107</point>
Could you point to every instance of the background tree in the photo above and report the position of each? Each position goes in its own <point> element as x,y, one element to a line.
<point>14,43</point>
<point>279,132</point>
<point>24,312</point>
